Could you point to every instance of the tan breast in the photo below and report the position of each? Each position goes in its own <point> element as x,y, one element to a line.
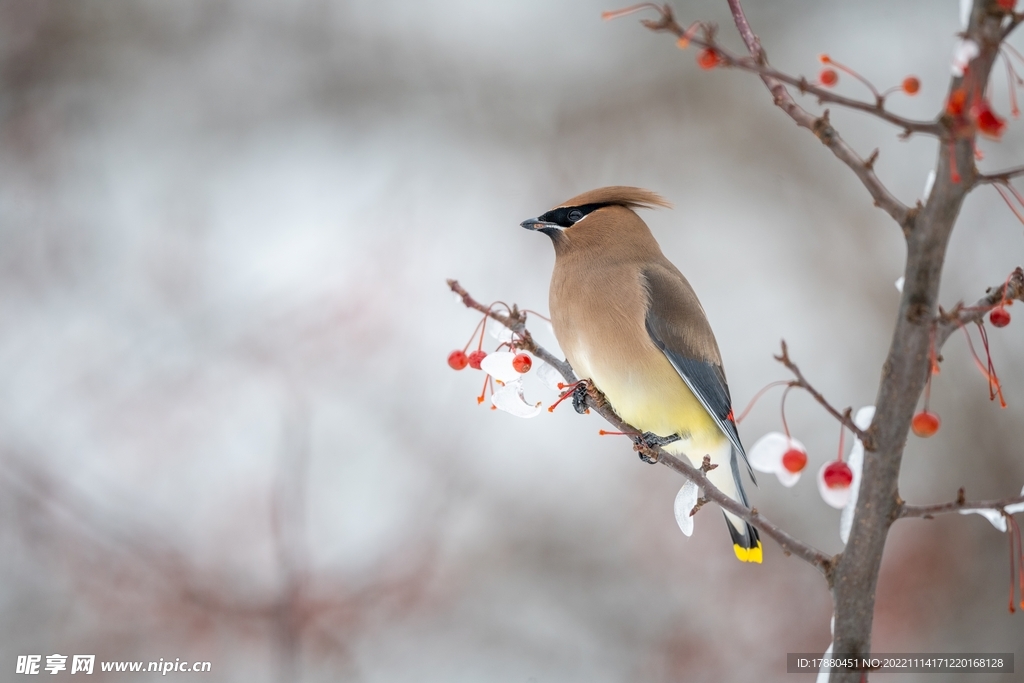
<point>599,304</point>
<point>605,340</point>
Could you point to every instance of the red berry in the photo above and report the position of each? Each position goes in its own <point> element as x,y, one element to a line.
<point>475,358</point>
<point>522,363</point>
<point>457,360</point>
<point>911,85</point>
<point>708,59</point>
<point>1000,317</point>
<point>794,460</point>
<point>925,424</point>
<point>838,475</point>
<point>828,77</point>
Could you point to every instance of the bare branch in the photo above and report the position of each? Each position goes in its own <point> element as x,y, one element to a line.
<point>821,127</point>
<point>1011,289</point>
<point>957,505</point>
<point>516,321</point>
<point>844,417</point>
<point>790,545</point>
<point>927,227</point>
<point>759,65</point>
<point>1000,177</point>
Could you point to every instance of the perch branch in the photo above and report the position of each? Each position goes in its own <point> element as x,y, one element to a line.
<point>515,321</point>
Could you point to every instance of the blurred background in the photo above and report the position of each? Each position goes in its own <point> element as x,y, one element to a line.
<point>227,428</point>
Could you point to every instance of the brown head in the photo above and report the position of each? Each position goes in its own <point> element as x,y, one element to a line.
<point>599,219</point>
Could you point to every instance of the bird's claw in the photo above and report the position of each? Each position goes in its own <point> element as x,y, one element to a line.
<point>645,444</point>
<point>579,397</point>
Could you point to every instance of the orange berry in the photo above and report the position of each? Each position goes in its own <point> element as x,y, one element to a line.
<point>708,59</point>
<point>457,360</point>
<point>794,460</point>
<point>925,424</point>
<point>522,363</point>
<point>828,77</point>
<point>911,85</point>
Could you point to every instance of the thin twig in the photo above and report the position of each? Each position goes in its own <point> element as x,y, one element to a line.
<point>948,322</point>
<point>957,505</point>
<point>844,417</point>
<point>757,63</point>
<point>820,126</point>
<point>823,129</point>
<point>516,321</point>
<point>999,177</point>
<point>788,543</point>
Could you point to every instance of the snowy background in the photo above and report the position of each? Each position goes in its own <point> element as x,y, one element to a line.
<point>227,428</point>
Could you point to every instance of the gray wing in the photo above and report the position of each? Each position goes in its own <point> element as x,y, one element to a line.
<point>677,325</point>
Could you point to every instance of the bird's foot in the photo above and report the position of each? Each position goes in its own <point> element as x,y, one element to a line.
<point>583,391</point>
<point>646,443</point>
<point>579,391</point>
<point>579,397</point>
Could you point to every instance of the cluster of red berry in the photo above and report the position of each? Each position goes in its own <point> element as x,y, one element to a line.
<point>458,360</point>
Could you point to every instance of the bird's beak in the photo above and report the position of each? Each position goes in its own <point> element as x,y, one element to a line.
<point>538,224</point>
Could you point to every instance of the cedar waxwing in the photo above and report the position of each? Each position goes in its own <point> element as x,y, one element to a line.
<point>629,321</point>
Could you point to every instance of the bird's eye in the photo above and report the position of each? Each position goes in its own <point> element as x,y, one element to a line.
<point>575,215</point>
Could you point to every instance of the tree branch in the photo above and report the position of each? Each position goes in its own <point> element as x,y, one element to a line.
<point>759,65</point>
<point>907,368</point>
<point>949,322</point>
<point>821,127</point>
<point>1000,177</point>
<point>927,228</point>
<point>844,417</point>
<point>959,504</point>
<point>516,321</point>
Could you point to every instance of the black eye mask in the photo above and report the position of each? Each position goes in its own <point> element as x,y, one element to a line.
<point>567,216</point>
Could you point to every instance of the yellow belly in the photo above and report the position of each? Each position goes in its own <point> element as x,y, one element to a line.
<point>648,393</point>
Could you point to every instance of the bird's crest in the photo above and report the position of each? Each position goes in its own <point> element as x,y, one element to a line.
<point>630,197</point>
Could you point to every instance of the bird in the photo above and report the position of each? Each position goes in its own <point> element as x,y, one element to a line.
<point>629,322</point>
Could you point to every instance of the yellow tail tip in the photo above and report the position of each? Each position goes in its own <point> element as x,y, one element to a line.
<point>748,554</point>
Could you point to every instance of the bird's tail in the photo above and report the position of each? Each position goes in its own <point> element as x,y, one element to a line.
<point>746,544</point>
<point>745,540</point>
